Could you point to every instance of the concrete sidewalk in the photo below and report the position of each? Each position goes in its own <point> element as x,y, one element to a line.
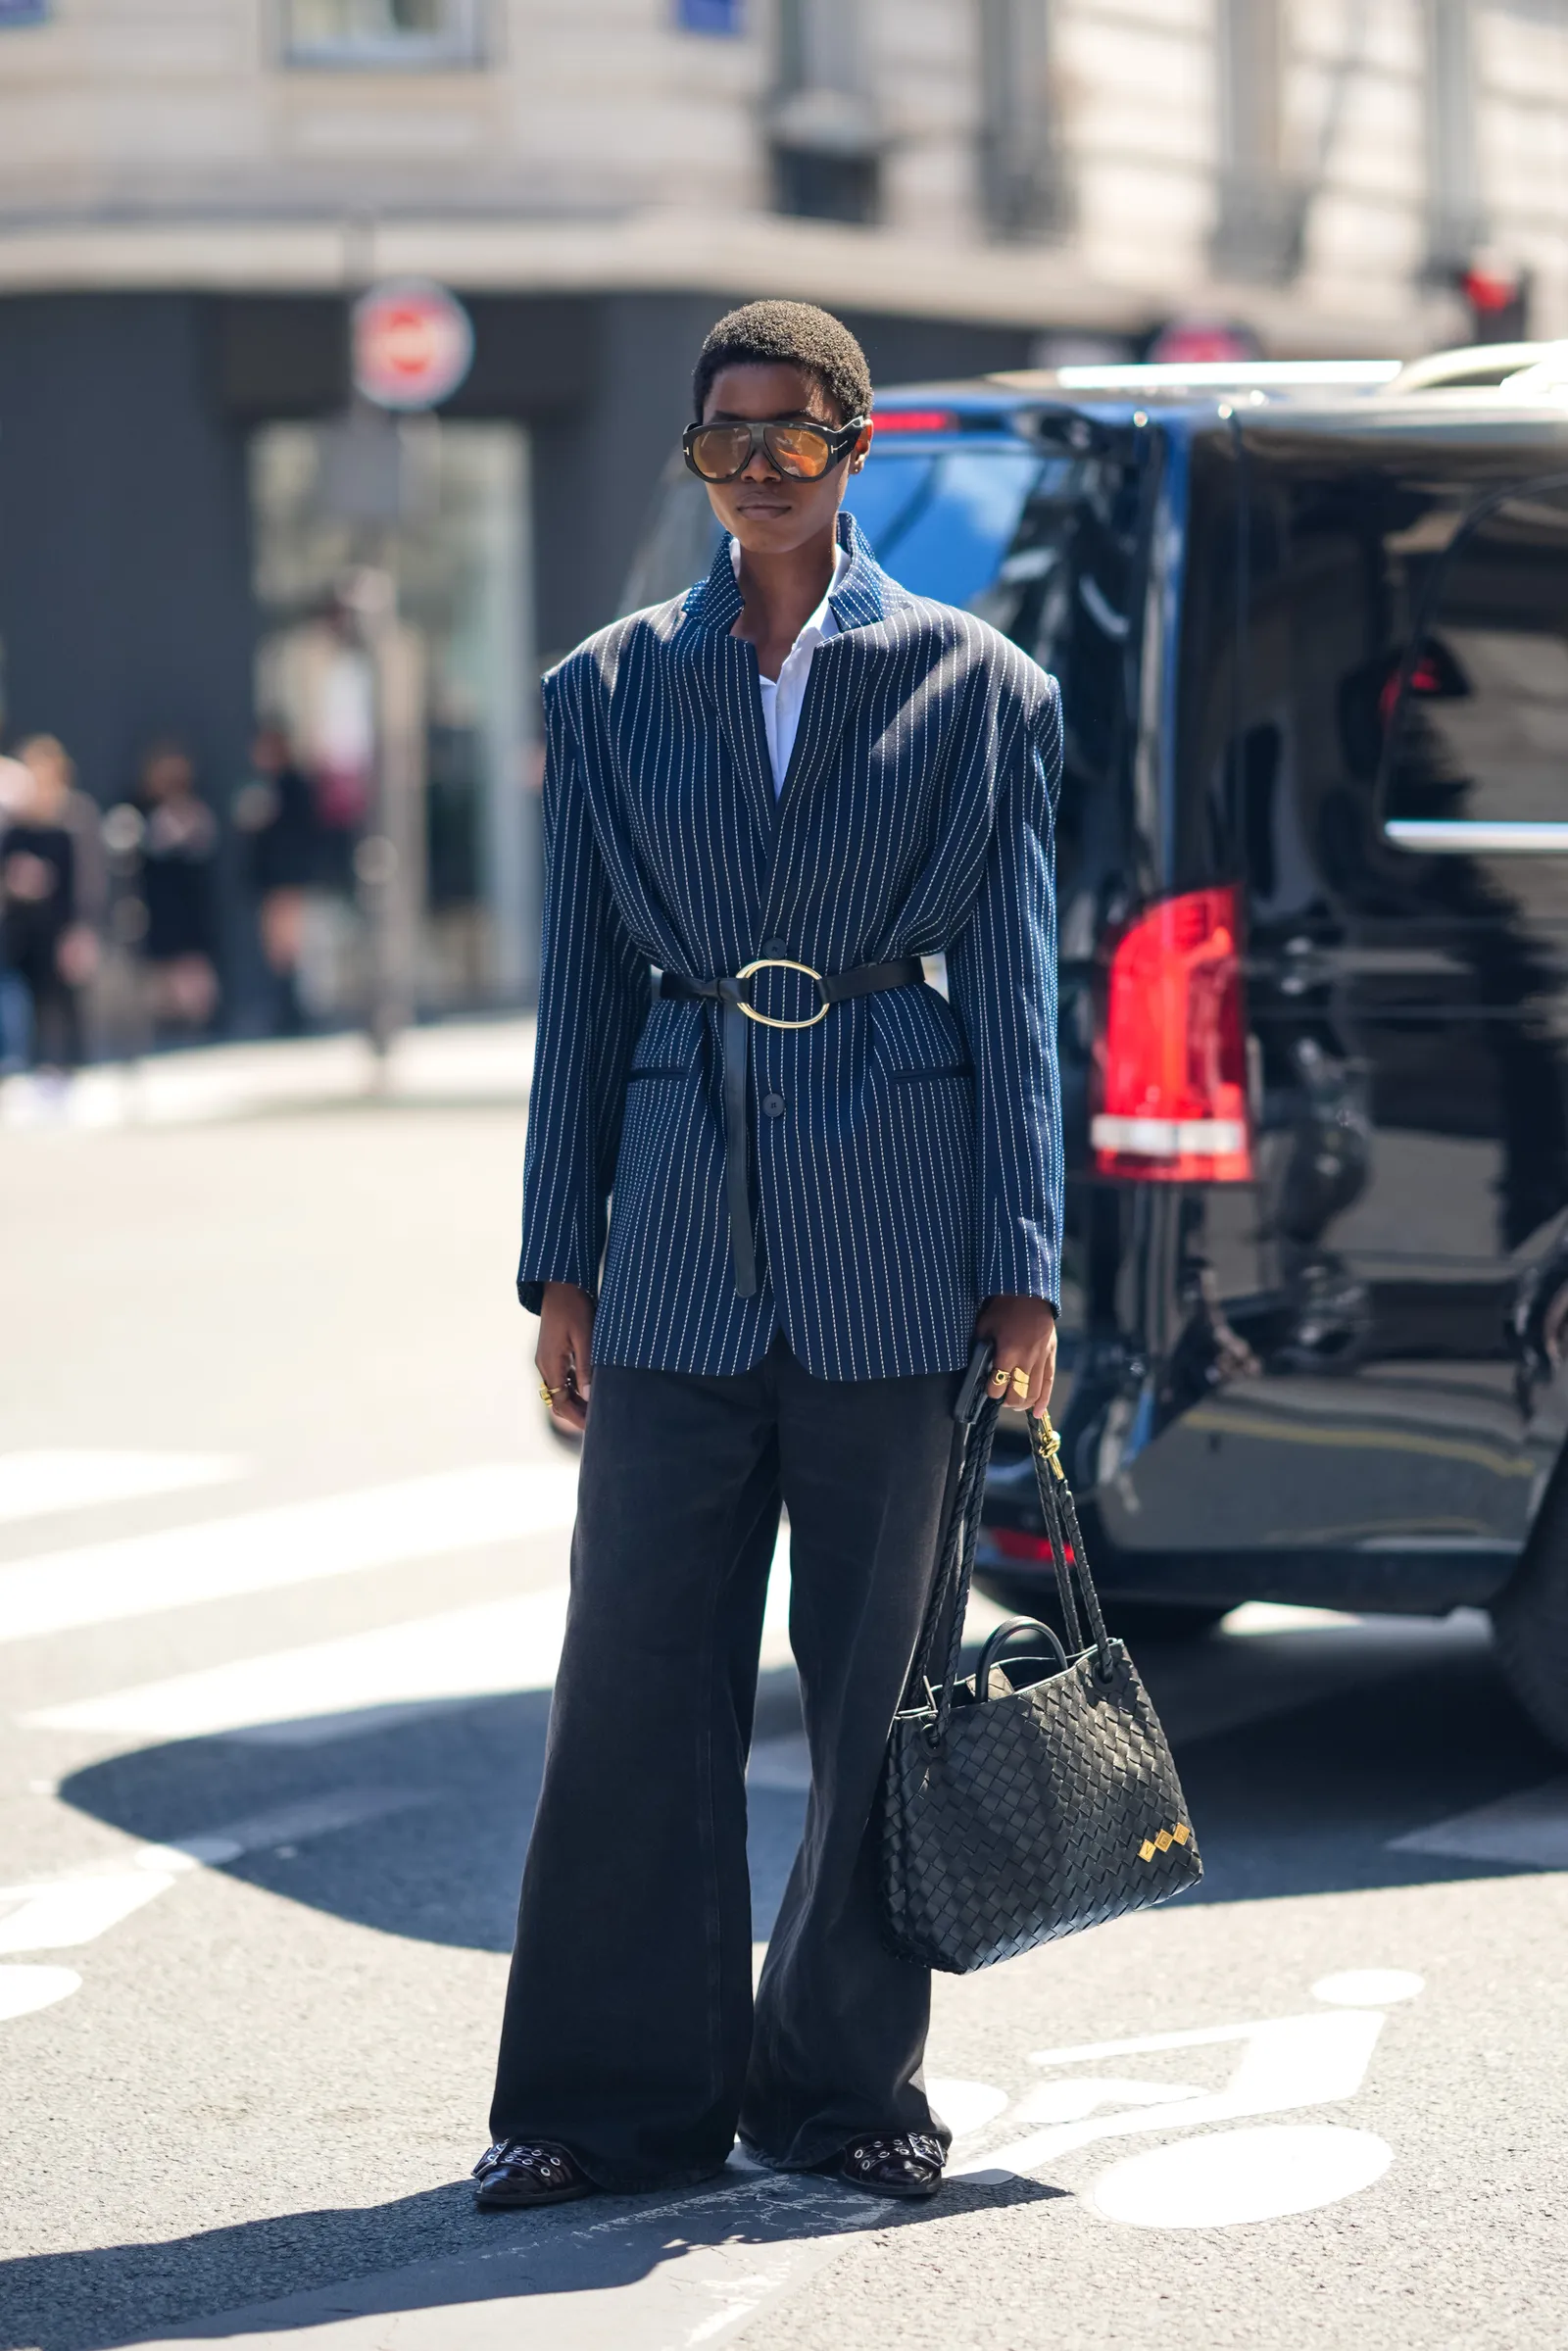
<point>480,1060</point>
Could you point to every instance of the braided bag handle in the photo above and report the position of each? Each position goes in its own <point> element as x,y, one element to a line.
<point>1074,1582</point>
<point>949,1591</point>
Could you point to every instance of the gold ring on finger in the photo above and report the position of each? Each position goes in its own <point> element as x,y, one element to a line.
<point>1020,1380</point>
<point>547,1393</point>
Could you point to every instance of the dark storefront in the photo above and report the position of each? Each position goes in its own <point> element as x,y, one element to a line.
<point>159,546</point>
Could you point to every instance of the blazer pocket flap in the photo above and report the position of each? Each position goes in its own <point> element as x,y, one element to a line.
<point>672,1043</point>
<point>917,1036</point>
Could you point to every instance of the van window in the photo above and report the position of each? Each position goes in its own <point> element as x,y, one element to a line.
<point>943,525</point>
<point>1482,729</point>
<point>939,521</point>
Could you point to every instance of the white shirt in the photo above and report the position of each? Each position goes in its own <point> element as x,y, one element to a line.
<point>784,697</point>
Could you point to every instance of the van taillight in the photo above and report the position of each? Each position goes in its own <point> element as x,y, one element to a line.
<point>1171,1092</point>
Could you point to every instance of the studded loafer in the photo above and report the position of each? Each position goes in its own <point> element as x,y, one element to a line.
<point>518,2172</point>
<point>908,2163</point>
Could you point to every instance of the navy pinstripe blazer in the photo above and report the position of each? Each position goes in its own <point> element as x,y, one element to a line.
<point>912,1164</point>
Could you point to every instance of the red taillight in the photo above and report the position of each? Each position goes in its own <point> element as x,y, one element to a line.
<point>1171,1100</point>
<point>1008,1544</point>
<point>916,420</point>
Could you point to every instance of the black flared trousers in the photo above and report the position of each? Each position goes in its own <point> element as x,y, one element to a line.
<point>630,2033</point>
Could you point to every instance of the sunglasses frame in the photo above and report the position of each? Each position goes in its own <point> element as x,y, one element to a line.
<point>840,438</point>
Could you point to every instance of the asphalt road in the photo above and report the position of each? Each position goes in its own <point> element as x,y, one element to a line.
<point>264,1789</point>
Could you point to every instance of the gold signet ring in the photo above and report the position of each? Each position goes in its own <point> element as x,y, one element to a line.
<point>1020,1380</point>
<point>998,1377</point>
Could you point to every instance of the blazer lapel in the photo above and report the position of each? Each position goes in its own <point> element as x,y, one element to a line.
<point>727,667</point>
<point>838,667</point>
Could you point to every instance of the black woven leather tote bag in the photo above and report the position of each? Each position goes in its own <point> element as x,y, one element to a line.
<point>1019,1809</point>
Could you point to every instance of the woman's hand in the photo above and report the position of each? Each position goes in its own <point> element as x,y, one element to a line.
<point>564,1354</point>
<point>1023,1332</point>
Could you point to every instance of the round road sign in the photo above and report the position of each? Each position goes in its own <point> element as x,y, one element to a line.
<point>413,344</point>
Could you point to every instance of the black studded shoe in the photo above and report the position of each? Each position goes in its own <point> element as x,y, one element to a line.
<point>517,2171</point>
<point>908,2163</point>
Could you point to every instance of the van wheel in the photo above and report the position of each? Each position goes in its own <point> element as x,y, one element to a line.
<point>1131,1620</point>
<point>1530,1620</point>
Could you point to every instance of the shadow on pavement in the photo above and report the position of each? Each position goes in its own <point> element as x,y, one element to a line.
<point>433,2252</point>
<point>1304,1800</point>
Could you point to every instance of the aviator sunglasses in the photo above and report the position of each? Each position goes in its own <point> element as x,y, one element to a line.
<point>802,452</point>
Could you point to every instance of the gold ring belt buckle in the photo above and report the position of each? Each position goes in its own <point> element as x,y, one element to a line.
<point>783,963</point>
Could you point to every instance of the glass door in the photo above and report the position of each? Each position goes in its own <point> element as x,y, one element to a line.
<point>391,567</point>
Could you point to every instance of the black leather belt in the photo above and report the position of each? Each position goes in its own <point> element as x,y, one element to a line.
<point>870,979</point>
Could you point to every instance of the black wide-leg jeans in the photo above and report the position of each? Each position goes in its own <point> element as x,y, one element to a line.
<point>630,2033</point>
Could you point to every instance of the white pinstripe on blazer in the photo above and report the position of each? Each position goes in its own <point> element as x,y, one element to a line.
<point>909,1163</point>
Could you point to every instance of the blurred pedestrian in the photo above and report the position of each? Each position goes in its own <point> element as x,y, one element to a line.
<point>783,789</point>
<point>275,815</point>
<point>46,944</point>
<point>178,854</point>
<point>46,756</point>
<point>16,1011</point>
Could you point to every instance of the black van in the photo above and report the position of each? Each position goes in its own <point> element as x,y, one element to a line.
<point>1311,628</point>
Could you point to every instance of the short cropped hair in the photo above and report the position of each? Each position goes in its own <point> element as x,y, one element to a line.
<point>790,334</point>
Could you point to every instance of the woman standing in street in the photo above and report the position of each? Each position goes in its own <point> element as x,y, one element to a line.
<point>779,791</point>
<point>51,864</point>
<point>179,865</point>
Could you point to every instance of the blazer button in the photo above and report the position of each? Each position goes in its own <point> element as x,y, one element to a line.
<point>774,946</point>
<point>773,1105</point>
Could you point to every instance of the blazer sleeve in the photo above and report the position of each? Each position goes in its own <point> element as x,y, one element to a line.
<point>594,993</point>
<point>1001,979</point>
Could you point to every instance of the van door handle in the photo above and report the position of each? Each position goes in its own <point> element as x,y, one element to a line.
<point>1470,837</point>
<point>1302,965</point>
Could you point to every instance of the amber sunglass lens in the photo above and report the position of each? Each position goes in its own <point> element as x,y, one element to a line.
<point>720,451</point>
<point>796,449</point>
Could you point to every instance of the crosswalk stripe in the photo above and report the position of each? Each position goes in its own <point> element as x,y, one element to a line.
<point>1527,1829</point>
<point>333,1688</point>
<point>338,1689</point>
<point>62,1478</point>
<point>356,1682</point>
<point>64,1913</point>
<point>378,1526</point>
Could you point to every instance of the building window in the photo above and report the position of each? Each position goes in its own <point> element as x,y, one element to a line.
<point>1261,215</point>
<point>1022,187</point>
<point>827,144</point>
<point>710,16</point>
<point>381,32</point>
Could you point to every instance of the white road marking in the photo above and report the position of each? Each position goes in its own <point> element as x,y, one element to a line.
<point>25,1990</point>
<point>337,1689</point>
<point>1369,1986</point>
<point>67,1912</point>
<point>34,1484</point>
<point>360,1682</point>
<point>783,1765</point>
<point>378,1526</point>
<point>966,2106</point>
<point>1285,2063</point>
<point>74,1910</point>
<point>1529,1828</point>
<point>1240,2175</point>
<point>1070,2101</point>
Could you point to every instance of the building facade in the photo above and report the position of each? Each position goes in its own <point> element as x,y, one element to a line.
<point>192,191</point>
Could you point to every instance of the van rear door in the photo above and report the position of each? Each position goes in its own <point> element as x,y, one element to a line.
<point>1395,699</point>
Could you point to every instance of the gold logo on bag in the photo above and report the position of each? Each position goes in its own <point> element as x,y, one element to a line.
<point>1163,1841</point>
